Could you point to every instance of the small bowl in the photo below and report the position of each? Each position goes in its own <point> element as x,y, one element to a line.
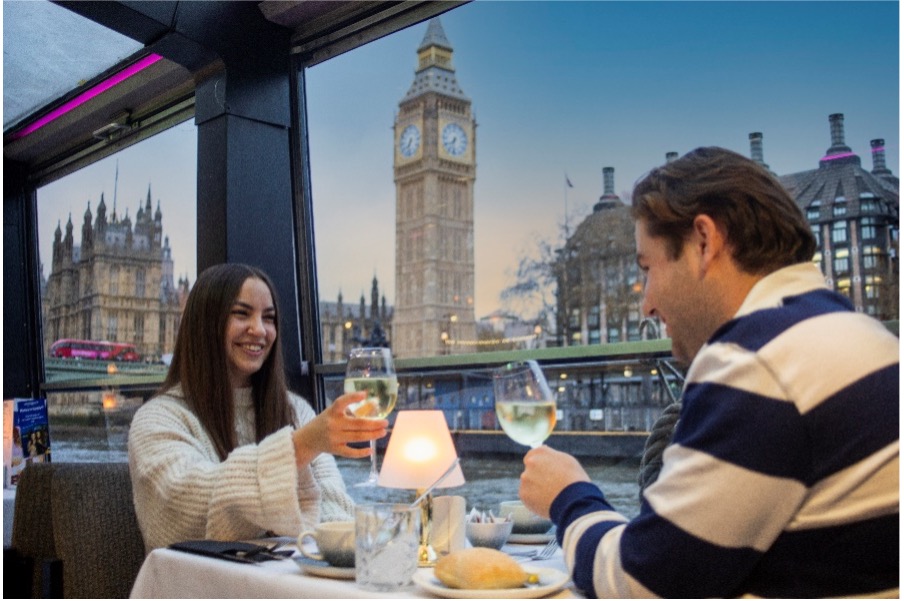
<point>488,534</point>
<point>524,520</point>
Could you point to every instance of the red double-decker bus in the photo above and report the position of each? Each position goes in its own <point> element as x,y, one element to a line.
<point>100,350</point>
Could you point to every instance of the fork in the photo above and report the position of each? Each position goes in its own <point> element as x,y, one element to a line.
<point>539,555</point>
<point>548,551</point>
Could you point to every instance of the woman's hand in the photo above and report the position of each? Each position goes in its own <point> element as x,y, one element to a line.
<point>334,428</point>
<point>546,473</point>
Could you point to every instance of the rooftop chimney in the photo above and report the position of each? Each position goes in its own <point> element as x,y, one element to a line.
<point>836,123</point>
<point>609,199</point>
<point>670,156</point>
<point>756,148</point>
<point>879,168</point>
<point>608,181</point>
<point>838,153</point>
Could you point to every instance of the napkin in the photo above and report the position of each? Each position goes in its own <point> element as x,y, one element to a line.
<point>447,531</point>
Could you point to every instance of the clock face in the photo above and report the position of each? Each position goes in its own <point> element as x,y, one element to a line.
<point>455,140</point>
<point>409,141</point>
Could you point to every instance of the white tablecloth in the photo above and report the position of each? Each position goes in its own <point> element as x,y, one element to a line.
<point>172,574</point>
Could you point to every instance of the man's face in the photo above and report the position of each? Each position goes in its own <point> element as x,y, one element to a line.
<point>674,292</point>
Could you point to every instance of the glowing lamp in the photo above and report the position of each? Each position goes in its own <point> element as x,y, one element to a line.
<point>420,449</point>
<point>109,400</point>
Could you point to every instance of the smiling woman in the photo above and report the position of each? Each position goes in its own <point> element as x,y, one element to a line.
<point>196,449</point>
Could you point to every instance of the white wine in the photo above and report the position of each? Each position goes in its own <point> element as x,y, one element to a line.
<point>382,394</point>
<point>526,422</point>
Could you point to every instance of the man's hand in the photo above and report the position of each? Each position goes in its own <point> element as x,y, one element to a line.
<point>546,473</point>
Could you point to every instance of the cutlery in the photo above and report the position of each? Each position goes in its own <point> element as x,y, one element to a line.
<point>539,554</point>
<point>271,552</point>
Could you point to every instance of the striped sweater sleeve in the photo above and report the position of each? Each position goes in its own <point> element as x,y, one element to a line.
<point>778,457</point>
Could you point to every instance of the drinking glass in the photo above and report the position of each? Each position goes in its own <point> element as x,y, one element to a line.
<point>370,369</point>
<point>525,407</point>
<point>386,545</point>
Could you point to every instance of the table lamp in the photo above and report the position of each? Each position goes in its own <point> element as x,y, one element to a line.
<point>420,449</point>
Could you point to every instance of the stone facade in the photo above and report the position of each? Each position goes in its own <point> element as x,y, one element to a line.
<point>117,285</point>
<point>854,215</point>
<point>599,289</point>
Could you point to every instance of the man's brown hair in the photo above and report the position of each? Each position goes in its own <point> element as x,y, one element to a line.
<point>764,228</point>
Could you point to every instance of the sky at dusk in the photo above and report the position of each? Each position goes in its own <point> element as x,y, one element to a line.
<point>556,88</point>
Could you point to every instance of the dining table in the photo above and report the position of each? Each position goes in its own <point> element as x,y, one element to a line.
<point>168,574</point>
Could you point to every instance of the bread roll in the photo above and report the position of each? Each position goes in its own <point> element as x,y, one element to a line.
<point>479,568</point>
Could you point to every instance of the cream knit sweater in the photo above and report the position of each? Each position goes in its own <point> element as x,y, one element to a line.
<point>182,491</point>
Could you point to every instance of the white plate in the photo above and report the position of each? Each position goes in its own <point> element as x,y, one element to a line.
<point>323,569</point>
<point>551,581</point>
<point>530,539</point>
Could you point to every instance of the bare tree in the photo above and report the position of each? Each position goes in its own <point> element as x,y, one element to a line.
<point>589,282</point>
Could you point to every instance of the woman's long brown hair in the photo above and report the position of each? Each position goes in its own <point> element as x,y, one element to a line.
<point>200,365</point>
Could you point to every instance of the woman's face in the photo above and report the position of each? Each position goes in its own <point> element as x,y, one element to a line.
<point>250,331</point>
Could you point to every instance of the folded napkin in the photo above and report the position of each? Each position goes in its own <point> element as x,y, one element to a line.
<point>230,550</point>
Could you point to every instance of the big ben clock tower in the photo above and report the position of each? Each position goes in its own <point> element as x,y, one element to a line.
<point>434,172</point>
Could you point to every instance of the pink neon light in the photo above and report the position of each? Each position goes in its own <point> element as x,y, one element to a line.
<point>87,95</point>
<point>832,157</point>
<point>879,149</point>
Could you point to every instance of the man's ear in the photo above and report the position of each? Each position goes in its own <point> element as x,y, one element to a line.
<point>709,241</point>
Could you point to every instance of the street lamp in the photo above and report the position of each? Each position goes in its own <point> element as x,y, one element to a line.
<point>447,335</point>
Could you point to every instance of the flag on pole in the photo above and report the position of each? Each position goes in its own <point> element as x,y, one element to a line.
<point>568,181</point>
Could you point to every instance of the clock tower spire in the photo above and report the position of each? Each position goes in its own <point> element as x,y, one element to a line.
<point>434,172</point>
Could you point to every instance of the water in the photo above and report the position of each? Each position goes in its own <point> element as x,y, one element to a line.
<point>490,479</point>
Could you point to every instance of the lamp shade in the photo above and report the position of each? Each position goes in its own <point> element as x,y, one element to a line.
<point>420,449</point>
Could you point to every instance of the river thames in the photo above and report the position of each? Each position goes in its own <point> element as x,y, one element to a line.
<point>494,478</point>
<point>489,479</point>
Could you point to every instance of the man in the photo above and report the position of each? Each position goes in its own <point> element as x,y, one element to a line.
<point>782,476</point>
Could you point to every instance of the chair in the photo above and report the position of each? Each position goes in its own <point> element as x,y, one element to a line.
<point>95,529</point>
<point>75,531</point>
<point>31,566</point>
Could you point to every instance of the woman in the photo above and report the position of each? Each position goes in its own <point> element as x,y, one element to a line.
<point>224,451</point>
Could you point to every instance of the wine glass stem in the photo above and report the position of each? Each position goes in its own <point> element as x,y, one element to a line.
<point>373,461</point>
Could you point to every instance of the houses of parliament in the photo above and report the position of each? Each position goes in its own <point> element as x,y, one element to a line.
<point>116,285</point>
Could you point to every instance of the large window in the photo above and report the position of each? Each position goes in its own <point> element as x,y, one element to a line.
<point>108,278</point>
<point>48,51</point>
<point>394,207</point>
<point>469,180</point>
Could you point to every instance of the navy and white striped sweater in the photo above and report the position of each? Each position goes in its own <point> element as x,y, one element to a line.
<point>782,477</point>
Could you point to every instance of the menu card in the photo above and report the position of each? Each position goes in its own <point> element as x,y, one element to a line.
<point>28,435</point>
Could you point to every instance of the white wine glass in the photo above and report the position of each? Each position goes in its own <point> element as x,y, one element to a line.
<point>370,369</point>
<point>525,406</point>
